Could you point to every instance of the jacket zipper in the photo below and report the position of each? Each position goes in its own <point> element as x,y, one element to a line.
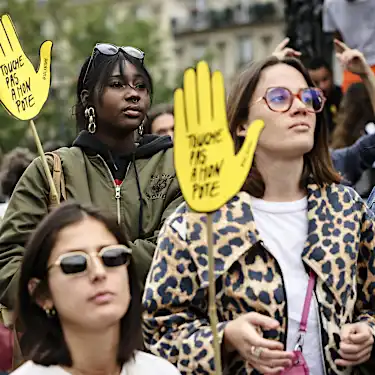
<point>117,188</point>
<point>320,333</point>
<point>118,205</point>
<point>284,290</point>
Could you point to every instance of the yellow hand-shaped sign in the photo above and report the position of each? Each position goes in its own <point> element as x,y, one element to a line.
<point>209,171</point>
<point>23,91</point>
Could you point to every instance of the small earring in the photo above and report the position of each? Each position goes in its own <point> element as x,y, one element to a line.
<point>90,114</point>
<point>50,312</point>
<point>141,129</point>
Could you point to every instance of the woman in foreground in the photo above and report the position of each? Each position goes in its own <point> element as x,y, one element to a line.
<point>79,300</point>
<point>292,226</point>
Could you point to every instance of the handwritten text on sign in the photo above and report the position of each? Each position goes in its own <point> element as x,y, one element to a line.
<point>21,91</point>
<point>205,176</point>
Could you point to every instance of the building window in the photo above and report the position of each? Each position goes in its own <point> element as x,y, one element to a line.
<point>199,50</point>
<point>200,5</point>
<point>267,40</point>
<point>221,56</point>
<point>245,50</point>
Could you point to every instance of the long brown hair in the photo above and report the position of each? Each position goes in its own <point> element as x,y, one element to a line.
<point>43,340</point>
<point>317,163</point>
<point>354,114</point>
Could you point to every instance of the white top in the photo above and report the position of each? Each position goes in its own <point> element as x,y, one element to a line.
<point>355,22</point>
<point>144,364</point>
<point>283,227</point>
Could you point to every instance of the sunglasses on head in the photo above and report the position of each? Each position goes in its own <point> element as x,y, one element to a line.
<point>111,50</point>
<point>280,99</point>
<point>77,261</point>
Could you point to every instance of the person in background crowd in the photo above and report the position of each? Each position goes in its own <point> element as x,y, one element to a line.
<point>79,301</point>
<point>352,21</point>
<point>12,168</point>
<point>105,167</point>
<point>291,219</point>
<point>160,120</point>
<point>354,160</point>
<point>356,115</point>
<point>322,76</point>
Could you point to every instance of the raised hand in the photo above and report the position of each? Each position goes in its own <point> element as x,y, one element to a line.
<point>209,171</point>
<point>23,91</point>
<point>351,59</point>
<point>281,51</point>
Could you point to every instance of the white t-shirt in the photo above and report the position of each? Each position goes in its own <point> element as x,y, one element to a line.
<point>144,364</point>
<point>283,227</point>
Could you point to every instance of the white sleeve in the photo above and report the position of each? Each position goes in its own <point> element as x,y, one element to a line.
<point>329,25</point>
<point>167,368</point>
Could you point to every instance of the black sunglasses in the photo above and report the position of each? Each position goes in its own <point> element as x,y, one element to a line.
<point>77,261</point>
<point>111,50</point>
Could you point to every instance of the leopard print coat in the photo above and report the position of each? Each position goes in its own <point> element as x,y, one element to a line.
<point>339,249</point>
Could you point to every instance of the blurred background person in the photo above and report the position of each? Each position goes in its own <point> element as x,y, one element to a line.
<point>160,120</point>
<point>356,114</point>
<point>352,21</point>
<point>12,167</point>
<point>78,300</point>
<point>354,160</point>
<point>322,75</point>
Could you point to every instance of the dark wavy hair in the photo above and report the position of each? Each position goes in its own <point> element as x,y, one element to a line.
<point>156,111</point>
<point>97,78</point>
<point>42,339</point>
<point>13,165</point>
<point>317,163</point>
<point>354,114</point>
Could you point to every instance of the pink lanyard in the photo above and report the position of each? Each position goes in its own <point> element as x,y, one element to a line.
<point>305,312</point>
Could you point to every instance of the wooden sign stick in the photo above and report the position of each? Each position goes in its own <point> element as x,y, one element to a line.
<point>212,294</point>
<point>44,162</point>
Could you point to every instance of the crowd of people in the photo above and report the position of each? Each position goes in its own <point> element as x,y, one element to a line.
<point>114,281</point>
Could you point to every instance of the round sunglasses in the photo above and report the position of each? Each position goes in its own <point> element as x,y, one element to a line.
<point>280,99</point>
<point>111,50</point>
<point>76,262</point>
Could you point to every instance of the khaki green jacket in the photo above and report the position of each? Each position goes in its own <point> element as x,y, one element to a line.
<point>89,180</point>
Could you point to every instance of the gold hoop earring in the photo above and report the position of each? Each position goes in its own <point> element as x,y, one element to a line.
<point>141,129</point>
<point>90,114</point>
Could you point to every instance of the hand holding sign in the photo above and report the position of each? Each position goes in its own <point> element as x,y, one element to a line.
<point>23,91</point>
<point>209,171</point>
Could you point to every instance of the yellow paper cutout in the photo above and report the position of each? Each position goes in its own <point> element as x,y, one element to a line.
<point>23,91</point>
<point>208,170</point>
